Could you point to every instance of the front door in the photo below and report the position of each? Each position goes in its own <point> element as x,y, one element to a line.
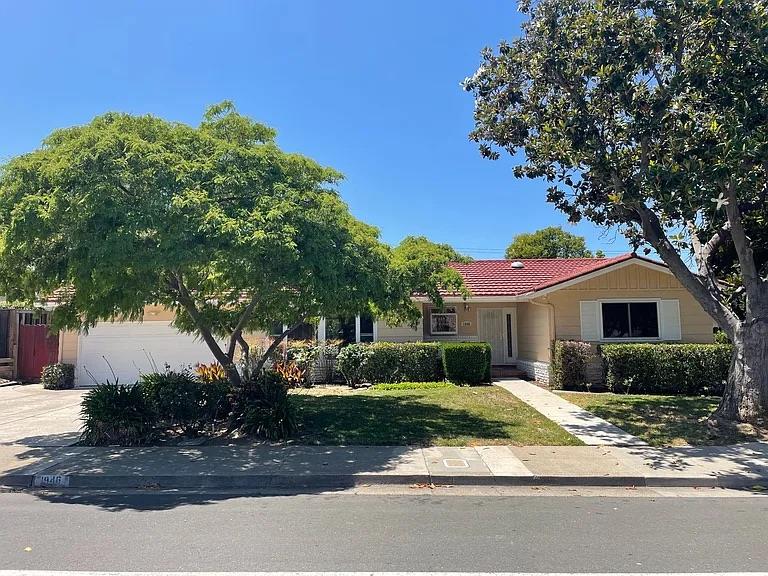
<point>498,327</point>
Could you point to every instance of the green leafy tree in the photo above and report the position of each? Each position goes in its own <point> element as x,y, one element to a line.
<point>549,242</point>
<point>215,222</point>
<point>421,266</point>
<point>650,115</point>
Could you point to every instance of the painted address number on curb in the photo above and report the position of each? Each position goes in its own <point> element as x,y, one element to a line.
<point>51,480</point>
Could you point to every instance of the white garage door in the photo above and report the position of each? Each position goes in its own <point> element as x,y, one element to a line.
<point>131,348</point>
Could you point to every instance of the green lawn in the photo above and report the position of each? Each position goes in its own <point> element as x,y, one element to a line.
<point>659,420</point>
<point>452,416</point>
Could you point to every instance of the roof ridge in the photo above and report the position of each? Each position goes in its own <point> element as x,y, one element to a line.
<point>480,260</point>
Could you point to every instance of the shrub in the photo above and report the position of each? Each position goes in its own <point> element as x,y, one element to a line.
<point>413,385</point>
<point>290,373</point>
<point>403,362</point>
<point>210,372</point>
<point>722,338</point>
<point>177,397</point>
<point>568,369</point>
<point>383,362</point>
<point>215,400</point>
<point>316,359</point>
<point>58,377</point>
<point>351,362</point>
<point>117,414</point>
<point>262,408</point>
<point>467,362</point>
<point>303,354</point>
<point>666,368</point>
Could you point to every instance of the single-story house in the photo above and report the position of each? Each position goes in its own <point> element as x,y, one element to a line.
<point>518,307</point>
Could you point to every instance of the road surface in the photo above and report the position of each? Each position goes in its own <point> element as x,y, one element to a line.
<point>409,530</point>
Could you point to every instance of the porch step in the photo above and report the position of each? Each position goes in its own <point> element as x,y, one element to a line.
<point>506,372</point>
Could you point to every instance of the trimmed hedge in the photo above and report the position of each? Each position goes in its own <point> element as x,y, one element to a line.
<point>389,362</point>
<point>568,369</point>
<point>666,368</point>
<point>58,377</point>
<point>467,362</point>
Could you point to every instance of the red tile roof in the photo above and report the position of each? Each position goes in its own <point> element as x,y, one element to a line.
<point>499,278</point>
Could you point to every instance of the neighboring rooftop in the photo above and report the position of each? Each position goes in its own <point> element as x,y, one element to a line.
<point>501,278</point>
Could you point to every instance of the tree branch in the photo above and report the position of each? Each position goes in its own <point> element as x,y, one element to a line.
<point>244,347</point>
<point>703,254</point>
<point>742,244</point>
<point>176,283</point>
<point>709,300</point>
<point>238,330</point>
<point>275,343</point>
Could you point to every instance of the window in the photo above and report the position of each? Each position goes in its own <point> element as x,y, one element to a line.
<point>276,329</point>
<point>366,328</point>
<point>340,328</point>
<point>630,320</point>
<point>33,318</point>
<point>305,331</point>
<point>443,321</point>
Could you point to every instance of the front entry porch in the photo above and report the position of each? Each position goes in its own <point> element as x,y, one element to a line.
<point>498,327</point>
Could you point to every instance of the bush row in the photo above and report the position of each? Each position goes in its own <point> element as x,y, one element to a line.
<point>391,362</point>
<point>644,368</point>
<point>185,402</point>
<point>666,368</point>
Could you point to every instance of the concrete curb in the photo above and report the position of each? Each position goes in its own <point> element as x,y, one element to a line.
<point>342,481</point>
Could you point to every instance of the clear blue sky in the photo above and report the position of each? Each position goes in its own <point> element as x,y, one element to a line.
<point>370,88</point>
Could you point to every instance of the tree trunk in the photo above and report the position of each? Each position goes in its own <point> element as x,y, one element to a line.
<point>745,398</point>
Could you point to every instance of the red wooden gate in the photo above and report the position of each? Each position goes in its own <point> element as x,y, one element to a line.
<point>36,349</point>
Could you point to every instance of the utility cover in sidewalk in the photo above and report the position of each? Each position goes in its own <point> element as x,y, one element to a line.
<point>455,463</point>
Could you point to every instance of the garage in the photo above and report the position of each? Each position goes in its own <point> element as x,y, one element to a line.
<point>127,349</point>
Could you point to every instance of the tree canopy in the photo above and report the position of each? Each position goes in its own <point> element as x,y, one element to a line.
<point>215,222</point>
<point>651,116</point>
<point>549,242</point>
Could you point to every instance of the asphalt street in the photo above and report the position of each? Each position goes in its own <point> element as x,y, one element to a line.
<point>420,530</point>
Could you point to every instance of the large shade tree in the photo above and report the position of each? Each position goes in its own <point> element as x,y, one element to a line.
<point>651,115</point>
<point>549,242</point>
<point>215,222</point>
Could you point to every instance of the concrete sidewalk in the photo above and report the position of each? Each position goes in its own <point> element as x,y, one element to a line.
<point>587,427</point>
<point>323,467</point>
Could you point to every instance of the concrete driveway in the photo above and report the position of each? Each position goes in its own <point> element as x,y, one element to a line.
<point>31,416</point>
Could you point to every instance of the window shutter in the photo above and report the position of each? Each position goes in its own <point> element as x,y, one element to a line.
<point>669,320</point>
<point>590,320</point>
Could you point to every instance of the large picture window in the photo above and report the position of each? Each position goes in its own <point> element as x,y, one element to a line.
<point>443,321</point>
<point>630,320</point>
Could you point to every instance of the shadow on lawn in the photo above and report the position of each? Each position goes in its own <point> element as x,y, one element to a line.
<point>667,420</point>
<point>389,420</point>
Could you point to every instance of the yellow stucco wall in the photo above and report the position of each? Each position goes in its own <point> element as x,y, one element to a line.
<point>634,281</point>
<point>68,347</point>
<point>533,332</point>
